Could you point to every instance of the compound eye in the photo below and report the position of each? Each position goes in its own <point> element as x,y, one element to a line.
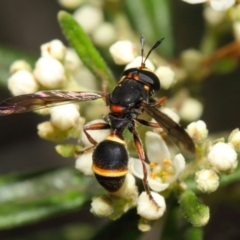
<point>145,76</point>
<point>150,78</point>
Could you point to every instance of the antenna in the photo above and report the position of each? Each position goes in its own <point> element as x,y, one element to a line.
<point>142,42</point>
<point>155,45</point>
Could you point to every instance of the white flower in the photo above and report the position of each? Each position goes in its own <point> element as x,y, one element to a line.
<point>162,171</point>
<point>212,17</point>
<point>191,109</point>
<point>166,76</point>
<point>217,5</point>
<point>123,52</point>
<point>146,207</point>
<point>102,206</point>
<point>81,75</point>
<point>49,72</point>
<point>89,17</point>
<point>54,49</point>
<point>71,4</point>
<point>22,82</point>
<point>47,131</point>
<point>99,35</point>
<point>137,63</point>
<point>234,139</point>
<point>170,113</point>
<point>114,205</point>
<point>222,158</point>
<point>84,163</point>
<point>20,65</point>
<point>128,190</point>
<point>72,60</point>
<point>65,117</point>
<point>207,180</point>
<point>197,131</point>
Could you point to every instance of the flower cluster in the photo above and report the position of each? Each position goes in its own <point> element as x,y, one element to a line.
<point>167,169</point>
<point>97,28</point>
<point>57,68</point>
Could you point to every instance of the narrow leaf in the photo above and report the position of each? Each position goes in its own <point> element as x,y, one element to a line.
<point>30,198</point>
<point>84,48</point>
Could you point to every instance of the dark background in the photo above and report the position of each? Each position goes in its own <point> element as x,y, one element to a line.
<point>26,25</point>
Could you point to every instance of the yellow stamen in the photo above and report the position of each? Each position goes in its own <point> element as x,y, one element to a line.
<point>153,175</point>
<point>165,174</point>
<point>152,164</point>
<point>166,161</point>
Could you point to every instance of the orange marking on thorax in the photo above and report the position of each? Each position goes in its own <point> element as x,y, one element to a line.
<point>117,108</point>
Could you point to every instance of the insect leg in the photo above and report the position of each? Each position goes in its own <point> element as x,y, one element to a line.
<point>159,102</point>
<point>141,154</point>
<point>147,123</point>
<point>95,126</point>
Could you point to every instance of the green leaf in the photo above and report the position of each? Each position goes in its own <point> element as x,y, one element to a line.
<point>153,19</point>
<point>194,233</point>
<point>196,212</point>
<point>84,48</point>
<point>29,198</point>
<point>7,57</point>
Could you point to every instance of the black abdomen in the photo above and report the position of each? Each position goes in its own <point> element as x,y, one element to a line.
<point>110,162</point>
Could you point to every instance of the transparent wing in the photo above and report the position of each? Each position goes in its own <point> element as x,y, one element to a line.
<point>30,102</point>
<point>174,130</point>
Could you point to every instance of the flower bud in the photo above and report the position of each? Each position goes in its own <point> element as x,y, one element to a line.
<point>207,180</point>
<point>65,117</point>
<point>89,17</point>
<point>234,139</point>
<point>84,163</point>
<point>54,49</point>
<point>213,18</point>
<point>22,82</point>
<point>102,206</point>
<point>166,76</point>
<point>49,72</point>
<point>137,62</point>
<point>99,35</point>
<point>170,113</point>
<point>222,158</point>
<point>197,131</point>
<point>128,190</point>
<point>47,131</point>
<point>147,208</point>
<point>144,225</point>
<point>123,52</point>
<point>221,5</point>
<point>20,65</point>
<point>191,109</point>
<point>72,60</point>
<point>71,4</point>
